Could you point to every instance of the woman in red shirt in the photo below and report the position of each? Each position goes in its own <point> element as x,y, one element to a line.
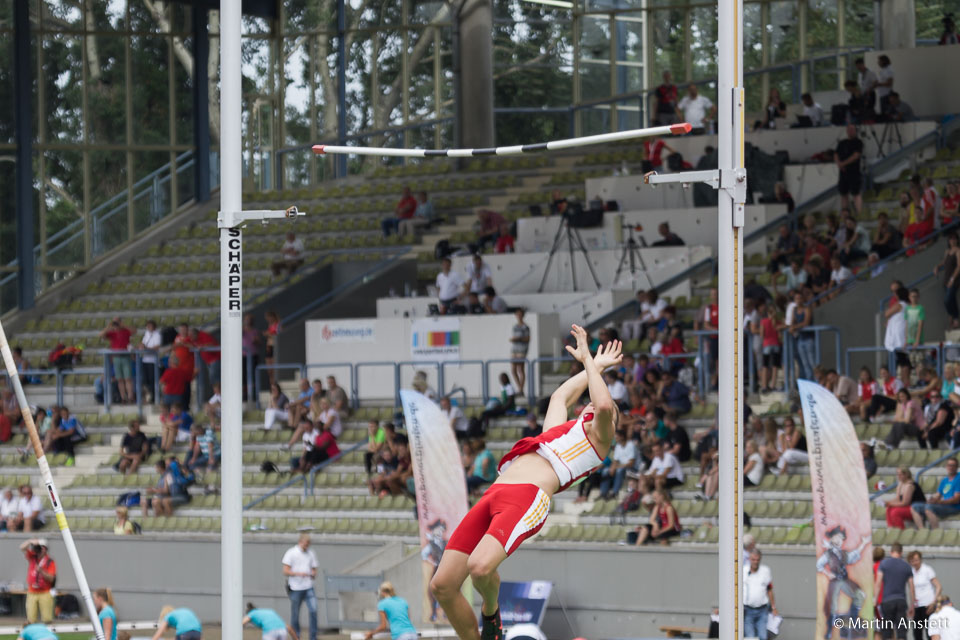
<point>175,383</point>
<point>270,337</point>
<point>770,328</point>
<point>867,387</point>
<point>664,521</point>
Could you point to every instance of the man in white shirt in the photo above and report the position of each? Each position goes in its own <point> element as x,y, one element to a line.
<point>884,81</point>
<point>151,340</point>
<point>867,80</point>
<point>449,283</point>
<point>697,110</point>
<point>300,567</point>
<point>30,511</point>
<point>945,623</point>
<point>458,421</point>
<point>926,587</point>
<point>9,507</point>
<point>479,276</point>
<point>758,599</point>
<point>665,471</point>
<point>812,110</point>
<point>618,390</point>
<point>212,407</point>
<point>623,456</point>
<point>291,256</point>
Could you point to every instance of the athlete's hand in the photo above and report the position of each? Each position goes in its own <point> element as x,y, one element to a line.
<point>580,353</point>
<point>609,355</point>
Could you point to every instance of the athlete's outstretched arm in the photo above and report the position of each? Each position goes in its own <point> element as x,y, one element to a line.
<point>567,394</point>
<point>603,405</point>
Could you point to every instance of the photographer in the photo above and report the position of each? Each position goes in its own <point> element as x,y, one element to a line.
<point>949,30</point>
<point>41,577</point>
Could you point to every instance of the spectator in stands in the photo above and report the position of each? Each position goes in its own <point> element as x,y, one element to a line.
<point>449,284</point>
<point>896,110</point>
<point>505,240</point>
<point>915,315</point>
<point>753,467</point>
<point>920,222</point>
<point>944,504</point>
<point>300,568</point>
<point>479,276</point>
<point>119,335</point>
<point>484,469</point>
<point>771,348</point>
<point>927,590</point>
<point>623,457</point>
<point>487,226</point>
<point>134,448</point>
<point>454,415</point>
<point>653,149</point>
<point>558,203</point>
<point>884,82</point>
<point>166,494</point>
<point>883,399</point>
<point>676,441</point>
<point>895,578</point>
<point>664,470</point>
<point>948,270</point>
<point>857,112</point>
<point>209,355</point>
<point>22,364</point>
<point>794,274</point>
<point>710,316</point>
<point>696,110</point>
<point>324,447</point>
<point>813,247</point>
<point>423,216</point>
<point>867,82</point>
<point>792,445</point>
<point>950,207</point>
<point>804,340</point>
<point>150,341</point>
<point>395,482</point>
<point>907,421</point>
<point>674,394</point>
<point>291,256</point>
<point>665,102</point>
<point>776,108</point>
<point>496,407</point>
<point>812,110</point>
<point>404,210</point>
<point>492,303</point>
<point>856,243</point>
<point>839,275</point>
<point>338,398</point>
<point>886,239</point>
<point>758,600</point>
<point>301,405</point>
<point>205,451</point>
<point>849,153</point>
<point>664,521</point>
<point>939,418</point>
<point>181,420</point>
<point>668,238</point>
<point>270,341</point>
<point>12,416</point>
<point>277,409</point>
<point>68,432</point>
<point>895,337</point>
<point>41,576</point>
<point>519,347</point>
<point>376,441</point>
<point>617,389</point>
<point>26,512</point>
<point>174,382</point>
<point>422,385</point>
<point>122,525</point>
<point>867,387</point>
<point>9,508</point>
<point>908,491</point>
<point>843,388</point>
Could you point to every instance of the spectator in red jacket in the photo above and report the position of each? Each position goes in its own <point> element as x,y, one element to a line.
<point>175,382</point>
<point>209,358</point>
<point>404,210</point>
<point>119,337</point>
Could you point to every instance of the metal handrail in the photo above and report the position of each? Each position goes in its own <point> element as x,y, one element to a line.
<point>953,452</point>
<point>137,354</point>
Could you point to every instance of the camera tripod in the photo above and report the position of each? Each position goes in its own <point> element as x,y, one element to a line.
<point>891,131</point>
<point>631,253</point>
<point>574,241</point>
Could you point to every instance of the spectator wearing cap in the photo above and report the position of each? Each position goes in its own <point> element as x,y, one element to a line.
<point>41,576</point>
<point>758,599</point>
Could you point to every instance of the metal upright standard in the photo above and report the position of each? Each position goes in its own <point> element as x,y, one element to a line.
<point>47,477</point>
<point>731,181</point>
<point>230,220</point>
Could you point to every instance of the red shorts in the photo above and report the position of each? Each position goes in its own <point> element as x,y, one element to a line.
<point>511,513</point>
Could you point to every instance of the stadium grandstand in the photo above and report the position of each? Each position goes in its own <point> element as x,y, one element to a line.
<point>459,279</point>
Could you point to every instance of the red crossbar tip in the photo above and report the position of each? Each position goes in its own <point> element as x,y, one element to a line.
<point>675,129</point>
<point>318,149</point>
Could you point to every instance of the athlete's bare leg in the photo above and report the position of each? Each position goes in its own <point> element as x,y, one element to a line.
<point>445,587</point>
<point>481,566</point>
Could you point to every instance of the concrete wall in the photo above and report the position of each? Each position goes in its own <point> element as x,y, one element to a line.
<point>522,272</point>
<point>918,74</point>
<point>569,307</point>
<point>608,592</point>
<point>698,225</point>
<point>481,338</point>
<point>807,180</point>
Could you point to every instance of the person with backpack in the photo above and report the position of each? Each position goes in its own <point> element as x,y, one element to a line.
<point>41,578</point>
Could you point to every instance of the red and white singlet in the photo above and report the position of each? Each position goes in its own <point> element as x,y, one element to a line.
<point>566,447</point>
